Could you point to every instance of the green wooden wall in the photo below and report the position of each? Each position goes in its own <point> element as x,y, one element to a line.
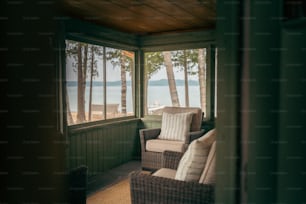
<point>292,120</point>
<point>103,147</point>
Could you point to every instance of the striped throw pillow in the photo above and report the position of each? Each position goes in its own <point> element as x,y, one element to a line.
<point>175,126</point>
<point>208,175</point>
<point>193,162</point>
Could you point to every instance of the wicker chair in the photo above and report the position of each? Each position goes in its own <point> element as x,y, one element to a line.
<point>151,160</point>
<point>149,189</point>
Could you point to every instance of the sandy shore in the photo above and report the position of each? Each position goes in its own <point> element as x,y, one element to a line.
<point>99,116</point>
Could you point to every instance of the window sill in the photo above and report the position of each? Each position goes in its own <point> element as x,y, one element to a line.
<point>99,124</point>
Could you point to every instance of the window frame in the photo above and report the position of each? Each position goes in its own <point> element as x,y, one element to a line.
<point>83,32</point>
<point>79,30</point>
<point>211,73</point>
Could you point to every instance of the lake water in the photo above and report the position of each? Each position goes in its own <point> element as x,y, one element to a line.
<point>158,96</point>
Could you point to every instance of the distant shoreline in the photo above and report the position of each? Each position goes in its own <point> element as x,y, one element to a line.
<point>161,82</point>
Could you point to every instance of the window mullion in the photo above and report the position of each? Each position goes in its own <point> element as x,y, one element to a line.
<point>104,82</point>
<point>212,68</point>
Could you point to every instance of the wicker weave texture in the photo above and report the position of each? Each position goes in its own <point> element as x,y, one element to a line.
<point>152,189</point>
<point>171,159</point>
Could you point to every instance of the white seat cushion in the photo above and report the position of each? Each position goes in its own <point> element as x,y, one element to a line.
<point>158,145</point>
<point>165,173</point>
<point>208,175</point>
<point>175,126</point>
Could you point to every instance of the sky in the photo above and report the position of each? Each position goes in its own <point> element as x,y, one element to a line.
<point>114,73</point>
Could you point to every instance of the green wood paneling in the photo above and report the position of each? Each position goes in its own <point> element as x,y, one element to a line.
<point>261,100</point>
<point>177,40</point>
<point>102,148</point>
<point>80,30</point>
<point>292,124</point>
<point>227,124</point>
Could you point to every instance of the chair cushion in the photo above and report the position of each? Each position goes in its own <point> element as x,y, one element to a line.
<point>196,121</point>
<point>194,159</point>
<point>192,163</point>
<point>165,172</point>
<point>208,175</point>
<point>175,126</point>
<point>158,145</point>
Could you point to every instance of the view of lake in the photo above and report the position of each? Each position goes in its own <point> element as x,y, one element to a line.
<point>158,96</point>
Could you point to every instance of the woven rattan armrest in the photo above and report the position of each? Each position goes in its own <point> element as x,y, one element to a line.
<point>171,159</point>
<point>152,189</point>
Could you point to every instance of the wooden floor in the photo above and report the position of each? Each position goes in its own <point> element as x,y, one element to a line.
<point>115,194</point>
<point>110,177</point>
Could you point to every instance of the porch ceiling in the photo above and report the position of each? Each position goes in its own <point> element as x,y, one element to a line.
<point>145,16</point>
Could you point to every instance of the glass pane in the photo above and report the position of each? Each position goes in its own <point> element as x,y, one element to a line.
<point>85,68</point>
<point>119,89</point>
<point>175,78</point>
<point>84,79</point>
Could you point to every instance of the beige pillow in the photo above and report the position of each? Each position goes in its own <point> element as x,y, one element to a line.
<point>193,161</point>
<point>175,126</point>
<point>208,175</point>
<point>196,118</point>
<point>195,158</point>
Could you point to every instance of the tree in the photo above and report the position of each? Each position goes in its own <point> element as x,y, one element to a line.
<point>92,60</point>
<point>202,74</point>
<point>186,61</point>
<point>69,115</point>
<point>191,62</point>
<point>82,67</point>
<point>119,58</point>
<point>71,51</point>
<point>186,78</point>
<point>123,83</point>
<point>171,78</point>
<point>153,63</point>
<point>80,53</point>
<point>94,51</point>
<point>180,59</point>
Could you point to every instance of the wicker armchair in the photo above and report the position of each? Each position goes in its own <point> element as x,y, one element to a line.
<point>153,189</point>
<point>151,160</point>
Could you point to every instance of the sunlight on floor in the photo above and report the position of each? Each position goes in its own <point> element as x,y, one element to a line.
<point>115,194</point>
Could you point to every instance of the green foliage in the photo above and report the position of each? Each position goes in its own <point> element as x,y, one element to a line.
<point>94,50</point>
<point>186,59</point>
<point>180,59</point>
<point>153,62</point>
<point>95,53</point>
<point>119,59</point>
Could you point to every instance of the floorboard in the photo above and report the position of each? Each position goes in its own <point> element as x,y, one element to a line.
<point>112,176</point>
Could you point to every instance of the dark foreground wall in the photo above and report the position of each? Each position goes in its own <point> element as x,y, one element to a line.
<point>32,163</point>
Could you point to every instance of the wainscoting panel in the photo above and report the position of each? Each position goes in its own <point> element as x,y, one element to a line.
<point>102,147</point>
<point>151,122</point>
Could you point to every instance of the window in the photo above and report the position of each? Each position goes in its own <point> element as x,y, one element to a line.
<point>98,82</point>
<point>177,78</point>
